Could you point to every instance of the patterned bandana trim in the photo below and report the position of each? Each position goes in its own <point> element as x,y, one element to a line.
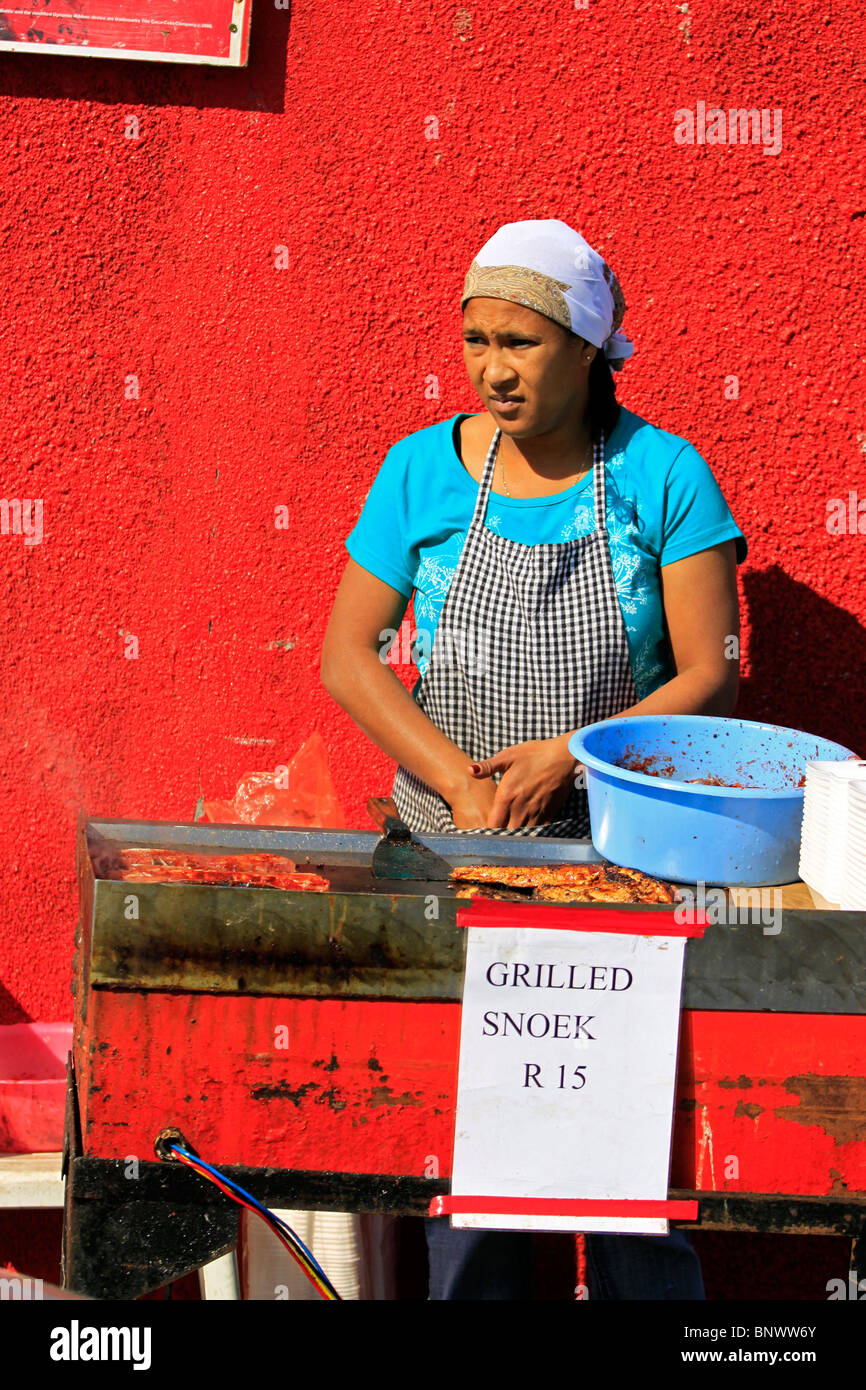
<point>520,285</point>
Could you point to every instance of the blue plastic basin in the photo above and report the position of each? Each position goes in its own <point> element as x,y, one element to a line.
<point>667,827</point>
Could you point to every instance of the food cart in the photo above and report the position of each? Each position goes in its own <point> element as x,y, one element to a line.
<point>307,1043</point>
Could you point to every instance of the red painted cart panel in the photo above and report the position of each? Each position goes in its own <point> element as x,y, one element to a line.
<point>766,1103</point>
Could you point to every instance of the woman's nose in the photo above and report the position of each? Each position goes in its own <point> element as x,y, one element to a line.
<point>498,373</point>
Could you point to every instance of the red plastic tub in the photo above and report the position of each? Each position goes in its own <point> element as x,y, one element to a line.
<point>33,1086</point>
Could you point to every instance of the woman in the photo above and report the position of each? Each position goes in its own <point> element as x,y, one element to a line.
<point>569,562</point>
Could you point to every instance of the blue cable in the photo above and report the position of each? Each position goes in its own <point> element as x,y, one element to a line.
<point>277,1220</point>
<point>266,1211</point>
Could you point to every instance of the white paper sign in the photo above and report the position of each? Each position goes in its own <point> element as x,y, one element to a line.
<point>568,1048</point>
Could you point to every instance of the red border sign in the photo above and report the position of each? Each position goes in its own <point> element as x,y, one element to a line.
<point>168,31</point>
<point>630,921</point>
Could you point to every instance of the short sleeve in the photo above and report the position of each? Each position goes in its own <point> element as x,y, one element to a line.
<point>378,542</point>
<point>696,515</point>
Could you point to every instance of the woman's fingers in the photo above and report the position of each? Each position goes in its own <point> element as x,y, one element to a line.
<point>515,807</point>
<point>498,763</point>
<point>533,784</point>
<point>518,805</point>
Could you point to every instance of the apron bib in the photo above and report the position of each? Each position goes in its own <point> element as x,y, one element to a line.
<point>530,643</point>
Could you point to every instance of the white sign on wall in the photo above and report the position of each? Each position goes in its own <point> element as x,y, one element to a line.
<point>568,1050</point>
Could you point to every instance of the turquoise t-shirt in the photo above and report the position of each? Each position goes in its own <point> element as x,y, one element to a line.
<point>663,504</point>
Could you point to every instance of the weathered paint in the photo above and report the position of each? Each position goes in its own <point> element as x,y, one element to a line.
<point>369,1087</point>
<point>781,1094</point>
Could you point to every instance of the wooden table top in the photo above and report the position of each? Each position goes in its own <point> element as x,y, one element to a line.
<point>797,894</point>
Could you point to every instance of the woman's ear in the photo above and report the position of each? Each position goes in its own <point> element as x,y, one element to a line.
<point>586,350</point>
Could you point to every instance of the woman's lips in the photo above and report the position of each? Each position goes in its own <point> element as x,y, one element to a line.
<point>504,405</point>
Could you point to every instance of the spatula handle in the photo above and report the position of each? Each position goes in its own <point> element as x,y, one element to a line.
<point>384,812</point>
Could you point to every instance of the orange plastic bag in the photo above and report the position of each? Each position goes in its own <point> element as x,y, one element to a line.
<point>299,793</point>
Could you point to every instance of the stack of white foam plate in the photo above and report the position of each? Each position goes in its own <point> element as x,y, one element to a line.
<point>815,828</point>
<point>831,854</point>
<point>854,886</point>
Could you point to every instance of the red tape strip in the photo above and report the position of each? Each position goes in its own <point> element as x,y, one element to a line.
<point>563,1206</point>
<point>629,921</point>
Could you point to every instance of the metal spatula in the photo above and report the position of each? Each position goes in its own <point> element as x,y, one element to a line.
<point>398,854</point>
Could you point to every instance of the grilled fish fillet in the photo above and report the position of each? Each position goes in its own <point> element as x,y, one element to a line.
<point>607,893</point>
<point>515,876</point>
<point>484,890</point>
<point>566,883</point>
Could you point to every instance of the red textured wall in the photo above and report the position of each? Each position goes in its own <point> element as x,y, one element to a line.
<point>154,258</point>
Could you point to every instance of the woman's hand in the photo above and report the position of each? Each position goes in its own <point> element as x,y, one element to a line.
<point>536,780</point>
<point>472,803</point>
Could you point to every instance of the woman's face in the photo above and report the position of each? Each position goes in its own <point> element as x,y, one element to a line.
<point>513,352</point>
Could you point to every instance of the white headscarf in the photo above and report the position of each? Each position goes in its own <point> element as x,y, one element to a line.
<point>548,267</point>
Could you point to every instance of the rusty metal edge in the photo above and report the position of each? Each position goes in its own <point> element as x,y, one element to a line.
<point>199,939</point>
<point>103,1180</point>
<point>778,1214</point>
<point>223,940</point>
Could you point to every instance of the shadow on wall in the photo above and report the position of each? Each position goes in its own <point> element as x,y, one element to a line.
<point>10,1010</point>
<point>807,660</point>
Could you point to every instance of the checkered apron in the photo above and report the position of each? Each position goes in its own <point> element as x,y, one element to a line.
<point>530,643</point>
